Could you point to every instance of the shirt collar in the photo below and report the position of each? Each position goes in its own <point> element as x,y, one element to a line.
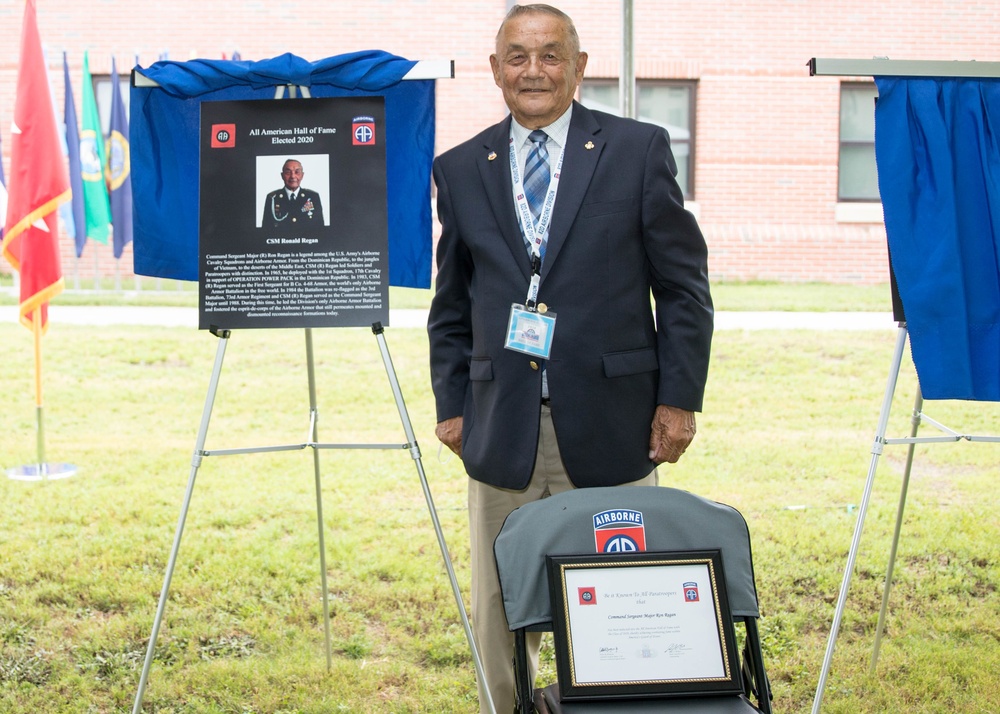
<point>557,130</point>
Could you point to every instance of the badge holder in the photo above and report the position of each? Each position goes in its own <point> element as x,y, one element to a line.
<point>530,331</point>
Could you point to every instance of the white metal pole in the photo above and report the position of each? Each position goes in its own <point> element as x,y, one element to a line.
<point>877,447</point>
<point>626,78</point>
<point>196,459</point>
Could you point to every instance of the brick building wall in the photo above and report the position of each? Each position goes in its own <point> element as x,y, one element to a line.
<point>766,151</point>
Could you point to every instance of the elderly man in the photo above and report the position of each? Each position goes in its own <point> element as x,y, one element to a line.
<point>292,208</point>
<point>549,369</point>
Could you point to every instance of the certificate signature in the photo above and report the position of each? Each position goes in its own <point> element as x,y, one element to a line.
<point>610,653</point>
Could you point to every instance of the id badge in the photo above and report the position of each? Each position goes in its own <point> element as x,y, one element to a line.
<point>530,332</point>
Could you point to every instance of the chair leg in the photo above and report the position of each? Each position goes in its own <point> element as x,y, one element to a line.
<point>753,651</point>
<point>524,699</point>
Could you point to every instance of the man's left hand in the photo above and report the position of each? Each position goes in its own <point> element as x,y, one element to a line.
<point>673,429</point>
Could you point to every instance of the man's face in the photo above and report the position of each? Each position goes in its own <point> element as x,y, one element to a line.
<point>537,69</point>
<point>291,174</point>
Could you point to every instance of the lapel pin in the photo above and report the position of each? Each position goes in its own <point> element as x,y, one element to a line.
<point>492,155</point>
<point>589,145</point>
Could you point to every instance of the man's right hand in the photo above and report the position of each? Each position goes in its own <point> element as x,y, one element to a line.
<point>449,432</point>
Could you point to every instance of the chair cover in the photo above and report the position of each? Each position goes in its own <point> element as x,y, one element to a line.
<point>564,525</point>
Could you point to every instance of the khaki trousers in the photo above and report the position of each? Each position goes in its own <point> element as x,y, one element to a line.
<point>488,508</point>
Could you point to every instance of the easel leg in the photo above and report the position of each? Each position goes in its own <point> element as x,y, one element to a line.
<point>877,447</point>
<point>918,406</point>
<point>206,416</point>
<point>313,438</point>
<point>411,439</point>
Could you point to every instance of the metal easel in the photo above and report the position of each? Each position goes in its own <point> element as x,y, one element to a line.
<point>895,68</point>
<point>313,443</point>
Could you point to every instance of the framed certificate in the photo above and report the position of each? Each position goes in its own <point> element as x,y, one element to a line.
<point>629,625</point>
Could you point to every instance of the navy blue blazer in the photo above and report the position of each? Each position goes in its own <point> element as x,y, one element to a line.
<point>619,231</point>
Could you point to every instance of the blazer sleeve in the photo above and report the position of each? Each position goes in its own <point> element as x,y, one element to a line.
<point>318,203</point>
<point>449,324</point>
<point>678,259</point>
<point>267,207</point>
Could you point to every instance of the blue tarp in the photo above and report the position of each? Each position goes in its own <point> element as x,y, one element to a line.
<point>164,134</point>
<point>937,146</point>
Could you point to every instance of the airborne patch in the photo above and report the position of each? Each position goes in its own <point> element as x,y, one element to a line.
<point>619,531</point>
<point>363,131</point>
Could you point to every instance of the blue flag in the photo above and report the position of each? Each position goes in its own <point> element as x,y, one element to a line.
<point>117,170</point>
<point>76,220</point>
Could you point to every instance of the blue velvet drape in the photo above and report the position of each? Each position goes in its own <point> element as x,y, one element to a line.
<point>937,146</point>
<point>165,149</point>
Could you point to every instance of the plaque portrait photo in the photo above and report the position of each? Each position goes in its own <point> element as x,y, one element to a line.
<point>304,181</point>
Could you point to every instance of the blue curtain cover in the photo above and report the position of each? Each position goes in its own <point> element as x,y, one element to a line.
<point>165,149</point>
<point>937,147</point>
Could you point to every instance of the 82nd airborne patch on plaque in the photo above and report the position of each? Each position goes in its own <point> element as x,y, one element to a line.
<point>363,131</point>
<point>619,531</point>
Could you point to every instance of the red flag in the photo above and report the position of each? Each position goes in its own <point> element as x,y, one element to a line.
<point>38,181</point>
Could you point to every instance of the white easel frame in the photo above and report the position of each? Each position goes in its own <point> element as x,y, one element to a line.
<point>895,68</point>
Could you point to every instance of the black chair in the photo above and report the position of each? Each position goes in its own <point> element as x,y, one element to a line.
<point>673,520</point>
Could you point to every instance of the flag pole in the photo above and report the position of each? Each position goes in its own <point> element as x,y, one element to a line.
<point>40,470</point>
<point>36,328</point>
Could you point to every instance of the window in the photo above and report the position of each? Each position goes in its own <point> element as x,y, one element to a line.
<point>858,180</point>
<point>667,103</point>
<point>102,95</point>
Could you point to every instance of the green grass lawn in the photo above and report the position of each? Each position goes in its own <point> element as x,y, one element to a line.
<point>785,437</point>
<point>794,297</point>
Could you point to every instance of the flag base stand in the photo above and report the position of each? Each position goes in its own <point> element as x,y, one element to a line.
<point>41,472</point>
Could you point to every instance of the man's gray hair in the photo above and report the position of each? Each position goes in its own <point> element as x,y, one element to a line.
<point>518,10</point>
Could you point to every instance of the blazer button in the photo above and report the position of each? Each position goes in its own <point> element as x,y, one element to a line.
<point>534,365</point>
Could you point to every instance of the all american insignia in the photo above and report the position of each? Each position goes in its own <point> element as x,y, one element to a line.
<point>363,131</point>
<point>619,531</point>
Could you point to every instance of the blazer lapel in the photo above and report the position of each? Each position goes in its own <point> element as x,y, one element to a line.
<point>582,152</point>
<point>495,173</point>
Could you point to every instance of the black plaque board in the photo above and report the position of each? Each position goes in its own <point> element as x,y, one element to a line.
<point>268,260</point>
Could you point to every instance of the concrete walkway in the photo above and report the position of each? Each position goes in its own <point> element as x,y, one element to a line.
<point>188,317</point>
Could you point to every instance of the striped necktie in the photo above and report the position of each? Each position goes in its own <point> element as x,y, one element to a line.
<point>536,172</point>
